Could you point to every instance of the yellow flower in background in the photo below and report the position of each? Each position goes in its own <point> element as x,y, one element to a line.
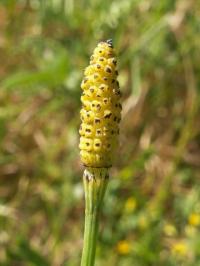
<point>169,230</point>
<point>180,248</point>
<point>194,219</point>
<point>130,204</point>
<point>143,221</point>
<point>123,247</point>
<point>190,231</point>
<point>152,210</point>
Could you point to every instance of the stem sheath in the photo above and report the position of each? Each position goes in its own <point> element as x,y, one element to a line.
<point>95,182</point>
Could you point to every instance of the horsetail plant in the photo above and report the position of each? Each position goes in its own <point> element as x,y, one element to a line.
<point>100,116</point>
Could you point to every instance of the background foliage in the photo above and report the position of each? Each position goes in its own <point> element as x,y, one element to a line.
<point>152,207</point>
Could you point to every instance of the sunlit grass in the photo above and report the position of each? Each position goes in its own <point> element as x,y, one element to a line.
<point>151,215</point>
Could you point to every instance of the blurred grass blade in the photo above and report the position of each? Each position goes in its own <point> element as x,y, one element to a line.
<point>145,39</point>
<point>27,254</point>
<point>136,77</point>
<point>52,75</point>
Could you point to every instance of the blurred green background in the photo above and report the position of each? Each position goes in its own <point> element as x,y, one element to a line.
<point>151,212</point>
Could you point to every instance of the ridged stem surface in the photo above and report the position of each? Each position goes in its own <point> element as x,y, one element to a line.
<point>95,183</point>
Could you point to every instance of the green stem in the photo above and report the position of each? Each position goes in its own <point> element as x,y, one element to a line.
<point>95,181</point>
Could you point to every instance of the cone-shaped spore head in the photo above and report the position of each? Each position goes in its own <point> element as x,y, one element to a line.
<point>101,108</point>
